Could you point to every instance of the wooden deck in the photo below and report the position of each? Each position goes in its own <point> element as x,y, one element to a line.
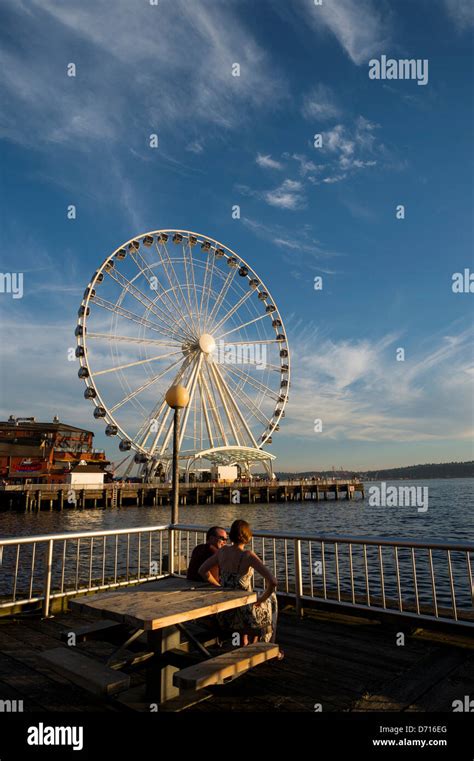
<point>337,662</point>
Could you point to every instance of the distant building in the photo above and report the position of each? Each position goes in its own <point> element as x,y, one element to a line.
<point>224,473</point>
<point>85,475</point>
<point>32,452</point>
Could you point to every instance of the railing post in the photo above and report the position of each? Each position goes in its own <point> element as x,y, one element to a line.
<point>298,578</point>
<point>47,578</point>
<point>170,550</point>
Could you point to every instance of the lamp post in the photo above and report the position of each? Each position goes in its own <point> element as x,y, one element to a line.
<point>176,397</point>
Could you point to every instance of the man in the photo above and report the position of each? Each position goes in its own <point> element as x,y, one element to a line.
<point>216,538</point>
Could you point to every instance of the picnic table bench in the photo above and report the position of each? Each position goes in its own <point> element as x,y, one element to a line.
<point>160,610</point>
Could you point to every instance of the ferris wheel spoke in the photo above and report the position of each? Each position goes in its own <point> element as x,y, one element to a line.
<point>188,385</point>
<point>233,310</point>
<point>144,386</point>
<point>173,313</point>
<point>173,284</point>
<point>215,409</point>
<point>188,287</point>
<point>244,325</point>
<point>222,395</point>
<point>130,339</point>
<point>191,391</point>
<point>250,379</point>
<point>166,411</point>
<point>221,296</point>
<point>144,431</point>
<point>205,412</point>
<point>249,403</point>
<point>246,343</point>
<point>235,405</point>
<point>177,379</point>
<point>138,362</point>
<point>193,282</point>
<point>207,288</point>
<point>145,301</point>
<point>177,283</point>
<point>127,314</point>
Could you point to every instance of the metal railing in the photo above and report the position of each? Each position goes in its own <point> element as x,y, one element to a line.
<point>425,581</point>
<point>39,569</point>
<point>429,581</point>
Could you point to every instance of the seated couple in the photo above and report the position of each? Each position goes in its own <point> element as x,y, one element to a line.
<point>231,567</point>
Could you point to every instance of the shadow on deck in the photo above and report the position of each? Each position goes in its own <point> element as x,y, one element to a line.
<point>332,663</point>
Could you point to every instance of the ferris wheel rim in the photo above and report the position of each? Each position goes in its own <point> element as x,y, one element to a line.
<point>90,381</point>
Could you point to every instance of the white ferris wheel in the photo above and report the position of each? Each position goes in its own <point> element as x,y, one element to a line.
<point>173,306</point>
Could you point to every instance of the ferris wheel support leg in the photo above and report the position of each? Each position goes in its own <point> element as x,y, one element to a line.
<point>268,468</point>
<point>221,393</point>
<point>236,407</point>
<point>186,471</point>
<point>214,410</point>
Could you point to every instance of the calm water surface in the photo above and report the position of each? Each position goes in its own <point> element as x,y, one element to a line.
<point>450,516</point>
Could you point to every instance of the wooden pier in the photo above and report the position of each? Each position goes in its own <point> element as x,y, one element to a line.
<point>332,663</point>
<point>63,496</point>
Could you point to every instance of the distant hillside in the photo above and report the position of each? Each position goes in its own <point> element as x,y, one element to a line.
<point>430,470</point>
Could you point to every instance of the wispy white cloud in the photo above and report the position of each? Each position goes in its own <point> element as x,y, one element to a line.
<point>362,27</point>
<point>332,179</point>
<point>195,146</point>
<point>306,166</point>
<point>337,141</point>
<point>132,80</point>
<point>55,387</point>
<point>266,162</point>
<point>349,149</point>
<point>362,393</point>
<point>461,12</point>
<point>141,79</point>
<point>288,195</point>
<point>320,104</point>
<point>300,249</point>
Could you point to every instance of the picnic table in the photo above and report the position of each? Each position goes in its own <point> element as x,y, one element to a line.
<point>158,608</point>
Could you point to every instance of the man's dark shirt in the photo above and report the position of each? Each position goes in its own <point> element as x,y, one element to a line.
<point>200,553</point>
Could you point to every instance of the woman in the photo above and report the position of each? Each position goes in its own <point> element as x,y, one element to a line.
<point>236,565</point>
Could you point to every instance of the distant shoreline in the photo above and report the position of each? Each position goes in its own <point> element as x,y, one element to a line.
<point>444,470</point>
<point>416,478</point>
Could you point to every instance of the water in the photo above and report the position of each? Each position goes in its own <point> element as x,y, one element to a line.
<point>450,516</point>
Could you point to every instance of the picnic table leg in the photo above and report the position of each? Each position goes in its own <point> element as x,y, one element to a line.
<point>159,676</point>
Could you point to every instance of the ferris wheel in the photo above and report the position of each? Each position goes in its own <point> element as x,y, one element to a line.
<point>173,306</point>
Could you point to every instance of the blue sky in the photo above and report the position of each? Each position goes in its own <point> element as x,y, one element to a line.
<point>305,211</point>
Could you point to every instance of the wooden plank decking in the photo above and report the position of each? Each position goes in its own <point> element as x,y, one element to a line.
<point>336,662</point>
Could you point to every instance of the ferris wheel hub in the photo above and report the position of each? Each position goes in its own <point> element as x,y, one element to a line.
<point>207,343</point>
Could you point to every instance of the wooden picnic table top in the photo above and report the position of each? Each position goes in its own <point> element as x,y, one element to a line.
<point>166,602</point>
